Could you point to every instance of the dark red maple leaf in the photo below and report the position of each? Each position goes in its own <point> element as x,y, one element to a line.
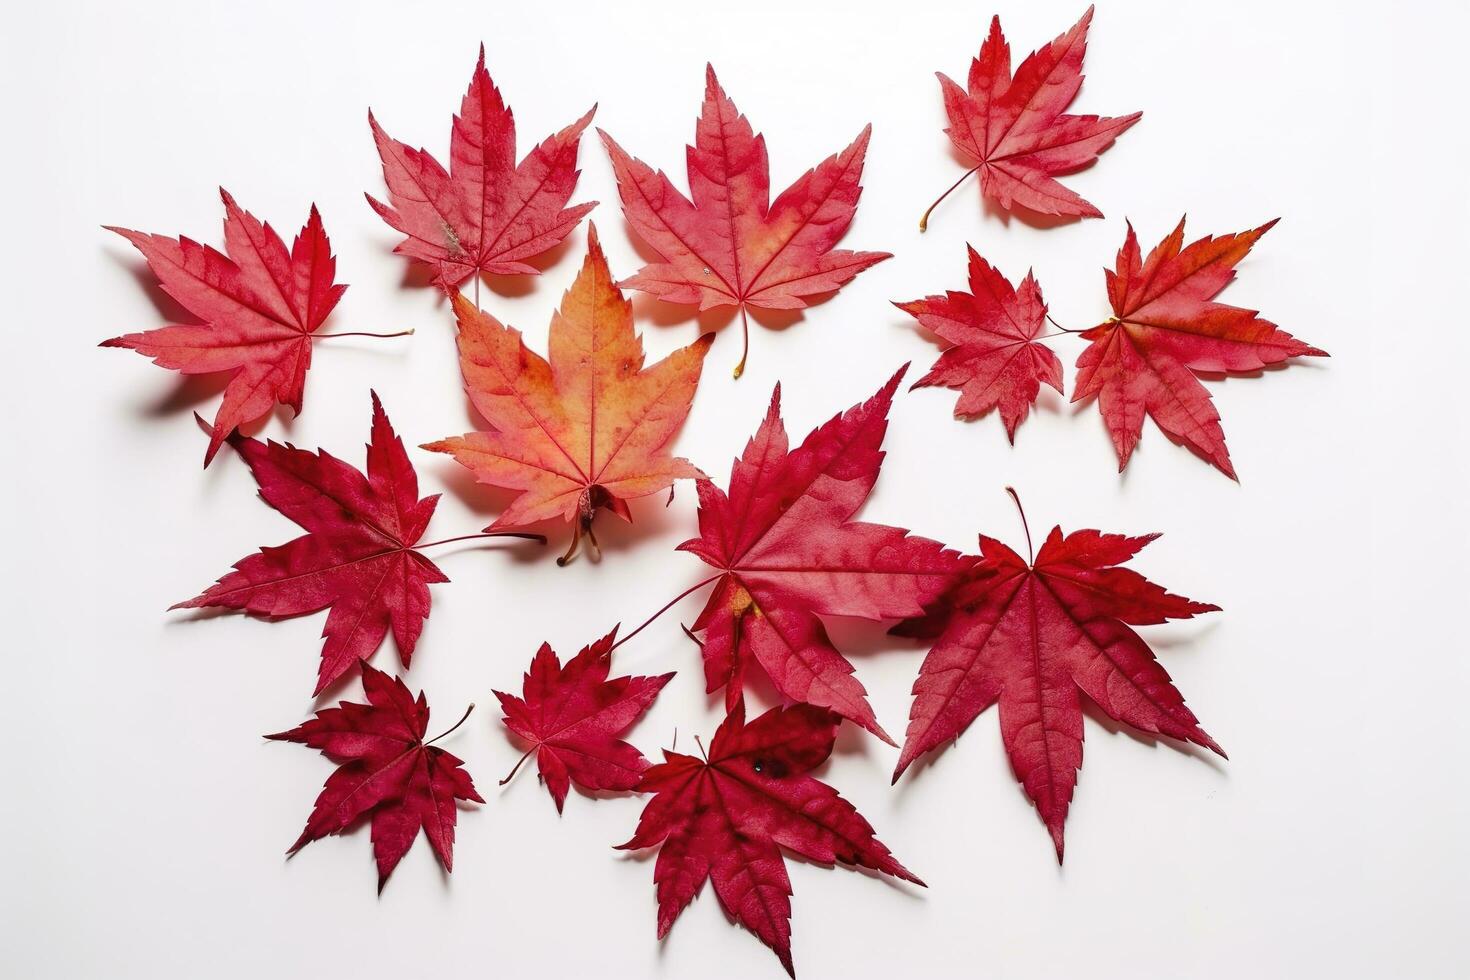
<point>726,819</point>
<point>731,245</point>
<point>259,305</point>
<point>486,213</point>
<point>386,772</point>
<point>1036,635</point>
<point>1164,330</point>
<point>572,714</point>
<point>992,358</point>
<point>788,552</point>
<point>1016,130</point>
<point>359,555</point>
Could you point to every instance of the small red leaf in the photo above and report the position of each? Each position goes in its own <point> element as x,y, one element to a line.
<point>572,714</point>
<point>386,772</point>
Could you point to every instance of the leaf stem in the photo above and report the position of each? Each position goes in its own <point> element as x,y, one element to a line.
<point>538,538</point>
<point>744,341</point>
<point>1060,327</point>
<point>463,718</point>
<point>1030,555</point>
<point>522,759</point>
<point>667,606</point>
<point>924,221</point>
<point>363,333</point>
<point>704,754</point>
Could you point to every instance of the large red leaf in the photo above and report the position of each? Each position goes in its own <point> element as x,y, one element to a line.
<point>1036,636</point>
<point>1016,129</point>
<point>1164,329</point>
<point>572,716</point>
<point>358,556</point>
<point>385,772</point>
<point>585,430</point>
<point>789,552</point>
<point>259,305</point>
<point>486,213</point>
<point>730,245</point>
<point>992,355</point>
<point>726,818</point>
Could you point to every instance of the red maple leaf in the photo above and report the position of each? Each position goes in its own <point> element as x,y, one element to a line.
<point>1164,329</point>
<point>572,716</point>
<point>1036,635</point>
<point>487,213</point>
<point>992,357</point>
<point>259,305</point>
<point>788,552</point>
<point>1015,129</point>
<point>726,819</point>
<point>587,429</point>
<point>386,771</point>
<point>730,245</point>
<point>359,556</point>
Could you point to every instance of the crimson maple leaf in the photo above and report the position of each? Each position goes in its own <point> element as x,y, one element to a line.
<point>259,305</point>
<point>730,245</point>
<point>486,213</point>
<point>788,552</point>
<point>726,819</point>
<point>572,716</point>
<point>385,771</point>
<point>359,555</point>
<point>588,429</point>
<point>1015,129</point>
<point>992,356</point>
<point>1164,330</point>
<point>1036,635</point>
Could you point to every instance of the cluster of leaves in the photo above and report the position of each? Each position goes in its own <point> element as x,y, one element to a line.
<point>589,427</point>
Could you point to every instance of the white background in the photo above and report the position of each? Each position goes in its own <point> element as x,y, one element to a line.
<point>145,820</point>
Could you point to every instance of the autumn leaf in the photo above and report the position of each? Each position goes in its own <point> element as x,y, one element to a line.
<point>572,716</point>
<point>1034,636</point>
<point>259,306</point>
<point>1015,129</point>
<point>728,244</point>
<point>788,552</point>
<point>360,555</point>
<point>1165,328</point>
<point>727,818</point>
<point>486,213</point>
<point>588,429</point>
<point>991,355</point>
<point>386,772</point>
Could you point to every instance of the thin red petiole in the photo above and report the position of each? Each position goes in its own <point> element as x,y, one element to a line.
<point>667,606</point>
<point>538,538</point>
<point>512,774</point>
<point>462,720</point>
<point>924,221</point>
<point>1030,555</point>
<point>744,341</point>
<point>363,333</point>
<point>1060,327</point>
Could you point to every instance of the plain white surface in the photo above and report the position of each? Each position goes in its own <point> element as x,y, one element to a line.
<point>145,819</point>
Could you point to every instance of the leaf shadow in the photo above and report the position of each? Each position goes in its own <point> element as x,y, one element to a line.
<point>1091,711</point>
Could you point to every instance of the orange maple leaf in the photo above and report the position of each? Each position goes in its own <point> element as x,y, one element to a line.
<point>585,430</point>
